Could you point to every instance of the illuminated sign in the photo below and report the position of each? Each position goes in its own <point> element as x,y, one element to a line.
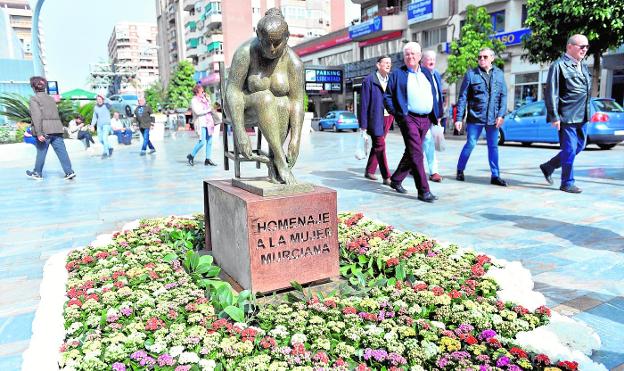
<point>322,80</point>
<point>512,38</point>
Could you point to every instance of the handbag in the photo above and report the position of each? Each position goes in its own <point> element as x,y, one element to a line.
<point>437,132</point>
<point>362,146</point>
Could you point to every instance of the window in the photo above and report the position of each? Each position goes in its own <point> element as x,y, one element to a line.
<point>526,88</point>
<point>337,59</point>
<point>498,21</point>
<point>533,110</point>
<point>524,15</point>
<point>371,12</point>
<point>433,37</point>
<point>388,47</point>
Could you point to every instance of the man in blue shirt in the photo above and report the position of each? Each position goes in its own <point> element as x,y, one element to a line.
<point>483,94</point>
<point>410,97</point>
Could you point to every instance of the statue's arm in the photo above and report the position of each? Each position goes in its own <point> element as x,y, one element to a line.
<point>235,97</point>
<point>296,96</point>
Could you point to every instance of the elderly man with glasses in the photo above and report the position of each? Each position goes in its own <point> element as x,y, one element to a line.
<point>567,108</point>
<point>483,94</point>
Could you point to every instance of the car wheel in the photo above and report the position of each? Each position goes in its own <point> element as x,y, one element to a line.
<point>354,130</point>
<point>334,128</point>
<point>526,144</point>
<point>501,137</point>
<point>321,127</point>
<point>606,146</point>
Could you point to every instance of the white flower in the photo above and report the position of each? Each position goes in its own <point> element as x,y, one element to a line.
<point>176,350</point>
<point>298,339</point>
<point>188,357</point>
<point>73,328</point>
<point>207,364</point>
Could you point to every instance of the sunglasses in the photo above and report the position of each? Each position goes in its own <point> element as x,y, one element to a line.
<point>582,46</point>
<point>483,57</point>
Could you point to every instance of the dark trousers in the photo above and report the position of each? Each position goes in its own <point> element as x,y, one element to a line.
<point>86,138</point>
<point>146,139</point>
<point>413,130</point>
<point>378,152</point>
<point>572,138</point>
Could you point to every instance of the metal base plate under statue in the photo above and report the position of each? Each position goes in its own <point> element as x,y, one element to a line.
<point>265,243</point>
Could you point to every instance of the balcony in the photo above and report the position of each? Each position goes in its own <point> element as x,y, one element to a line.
<point>189,4</point>
<point>213,38</point>
<point>192,43</point>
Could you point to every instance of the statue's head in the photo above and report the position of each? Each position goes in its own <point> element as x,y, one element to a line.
<point>272,32</point>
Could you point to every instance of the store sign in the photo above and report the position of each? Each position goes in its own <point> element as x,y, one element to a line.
<point>512,38</point>
<point>323,45</point>
<point>366,28</point>
<point>318,81</point>
<point>419,10</point>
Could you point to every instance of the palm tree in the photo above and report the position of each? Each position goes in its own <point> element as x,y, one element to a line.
<point>16,108</point>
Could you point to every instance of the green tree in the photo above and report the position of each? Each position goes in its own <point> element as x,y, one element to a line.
<point>156,96</point>
<point>552,22</point>
<point>86,111</point>
<point>474,35</point>
<point>180,89</point>
<point>16,108</point>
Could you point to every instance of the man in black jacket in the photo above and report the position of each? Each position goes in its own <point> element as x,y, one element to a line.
<point>143,116</point>
<point>567,108</point>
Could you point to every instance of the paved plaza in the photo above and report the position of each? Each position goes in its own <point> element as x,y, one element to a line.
<point>572,244</point>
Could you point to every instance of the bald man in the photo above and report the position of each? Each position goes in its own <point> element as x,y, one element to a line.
<point>567,109</point>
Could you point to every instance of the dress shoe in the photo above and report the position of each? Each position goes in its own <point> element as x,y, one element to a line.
<point>460,175</point>
<point>571,189</point>
<point>370,176</point>
<point>189,158</point>
<point>547,175</point>
<point>427,197</point>
<point>387,181</point>
<point>209,162</point>
<point>435,178</point>
<point>397,187</point>
<point>498,181</point>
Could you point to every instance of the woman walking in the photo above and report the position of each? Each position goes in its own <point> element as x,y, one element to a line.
<point>204,124</point>
<point>48,128</point>
<point>102,120</point>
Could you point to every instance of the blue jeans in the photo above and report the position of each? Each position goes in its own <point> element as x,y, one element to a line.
<point>205,139</point>
<point>572,138</point>
<point>473,132</point>
<point>123,137</point>
<point>56,141</point>
<point>103,132</point>
<point>146,140</point>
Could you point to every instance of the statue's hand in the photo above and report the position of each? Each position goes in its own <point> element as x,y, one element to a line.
<point>244,147</point>
<point>293,153</point>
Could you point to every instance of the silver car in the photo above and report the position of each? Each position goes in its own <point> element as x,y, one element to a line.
<point>124,104</point>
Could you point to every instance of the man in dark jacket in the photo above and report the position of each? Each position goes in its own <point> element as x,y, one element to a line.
<point>143,116</point>
<point>567,108</point>
<point>483,94</point>
<point>410,98</point>
<point>48,128</point>
<point>375,120</point>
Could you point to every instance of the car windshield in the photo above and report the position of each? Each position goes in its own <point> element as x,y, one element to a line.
<point>607,105</point>
<point>130,97</point>
<point>347,115</point>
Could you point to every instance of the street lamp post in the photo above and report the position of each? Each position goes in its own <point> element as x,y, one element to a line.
<point>36,52</point>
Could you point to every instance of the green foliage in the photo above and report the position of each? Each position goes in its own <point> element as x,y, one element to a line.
<point>552,22</point>
<point>474,36</point>
<point>16,108</point>
<point>305,103</point>
<point>156,96</point>
<point>180,89</point>
<point>7,134</point>
<point>86,111</point>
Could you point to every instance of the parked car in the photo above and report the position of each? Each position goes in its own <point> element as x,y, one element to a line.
<point>124,104</point>
<point>339,120</point>
<point>528,125</point>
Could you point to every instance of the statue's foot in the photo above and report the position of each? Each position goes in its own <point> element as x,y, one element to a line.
<point>288,177</point>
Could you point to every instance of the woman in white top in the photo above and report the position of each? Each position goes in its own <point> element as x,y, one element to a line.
<point>204,124</point>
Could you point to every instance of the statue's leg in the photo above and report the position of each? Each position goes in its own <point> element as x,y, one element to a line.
<point>272,113</point>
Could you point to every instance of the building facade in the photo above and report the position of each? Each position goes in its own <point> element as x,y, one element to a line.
<point>132,50</point>
<point>386,25</point>
<point>170,18</point>
<point>20,17</point>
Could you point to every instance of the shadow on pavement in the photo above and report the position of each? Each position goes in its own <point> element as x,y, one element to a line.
<point>580,235</point>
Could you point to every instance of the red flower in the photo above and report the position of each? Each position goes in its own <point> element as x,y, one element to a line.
<point>172,314</point>
<point>542,359</point>
<point>221,323</point>
<point>519,353</point>
<point>330,303</point>
<point>392,262</point>
<point>74,302</point>
<point>362,367</point>
<point>298,349</point>
<point>87,259</point>
<point>354,219</point>
<point>349,310</point>
<point>249,334</point>
<point>339,362</point>
<point>568,365</point>
<point>119,284</point>
<point>437,291</point>
<point>201,300</point>
<point>71,265</point>
<point>494,343</point>
<point>454,294</point>
<point>471,283</point>
<point>420,287</point>
<point>106,289</point>
<point>118,274</point>
<point>88,285</point>
<point>150,265</point>
<point>191,307</point>
<point>471,340</point>
<point>520,310</point>
<point>154,324</point>
<point>321,357</point>
<point>268,342</point>
<point>500,305</point>
<point>75,293</point>
<point>92,296</point>
<point>101,255</point>
<point>482,259</point>
<point>153,275</point>
<point>477,270</point>
<point>543,310</point>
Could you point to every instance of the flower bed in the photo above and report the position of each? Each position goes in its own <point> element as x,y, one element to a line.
<point>409,304</point>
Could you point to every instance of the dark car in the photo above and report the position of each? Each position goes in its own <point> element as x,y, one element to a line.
<point>527,124</point>
<point>339,120</point>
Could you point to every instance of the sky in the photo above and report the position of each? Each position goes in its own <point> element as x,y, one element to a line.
<point>77,31</point>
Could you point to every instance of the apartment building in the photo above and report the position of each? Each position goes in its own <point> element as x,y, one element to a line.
<point>132,50</point>
<point>20,16</point>
<point>170,18</point>
<point>385,26</point>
